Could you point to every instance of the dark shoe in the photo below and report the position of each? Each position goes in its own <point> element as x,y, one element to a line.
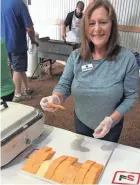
<point>28,91</point>
<point>21,98</point>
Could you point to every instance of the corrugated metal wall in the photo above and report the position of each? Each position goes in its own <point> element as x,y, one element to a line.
<point>130,40</point>
<point>45,13</point>
<point>128,13</point>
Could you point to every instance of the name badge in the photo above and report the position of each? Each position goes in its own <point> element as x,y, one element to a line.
<point>87,67</point>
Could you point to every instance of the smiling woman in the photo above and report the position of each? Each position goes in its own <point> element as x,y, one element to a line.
<point>102,77</point>
<point>99,30</point>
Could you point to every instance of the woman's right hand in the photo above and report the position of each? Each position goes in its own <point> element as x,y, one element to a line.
<point>44,103</point>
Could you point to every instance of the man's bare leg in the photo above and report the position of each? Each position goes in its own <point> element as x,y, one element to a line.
<point>24,80</point>
<point>27,90</point>
<point>17,79</point>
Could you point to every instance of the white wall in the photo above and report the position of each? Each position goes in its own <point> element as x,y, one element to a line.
<point>45,13</point>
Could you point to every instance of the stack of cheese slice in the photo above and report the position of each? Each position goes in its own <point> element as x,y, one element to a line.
<point>35,160</point>
<point>64,169</point>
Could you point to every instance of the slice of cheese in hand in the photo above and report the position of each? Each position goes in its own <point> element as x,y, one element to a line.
<point>43,168</point>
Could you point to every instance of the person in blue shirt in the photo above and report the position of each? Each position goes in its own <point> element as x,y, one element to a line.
<point>15,23</point>
<point>102,77</point>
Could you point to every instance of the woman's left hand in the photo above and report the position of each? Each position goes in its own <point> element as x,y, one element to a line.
<point>103,128</point>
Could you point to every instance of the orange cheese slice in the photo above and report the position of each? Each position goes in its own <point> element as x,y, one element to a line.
<point>71,173</point>
<point>44,156</point>
<point>61,170</point>
<point>93,174</point>
<point>53,166</point>
<point>80,175</point>
<point>56,106</point>
<point>37,153</point>
<point>33,164</point>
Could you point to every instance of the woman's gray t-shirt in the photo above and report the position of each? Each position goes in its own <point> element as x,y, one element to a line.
<point>101,89</point>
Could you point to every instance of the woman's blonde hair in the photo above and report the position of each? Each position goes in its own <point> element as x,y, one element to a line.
<point>87,47</point>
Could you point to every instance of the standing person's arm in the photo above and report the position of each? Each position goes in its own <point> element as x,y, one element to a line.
<point>66,23</point>
<point>26,18</point>
<point>63,34</point>
<point>31,33</point>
